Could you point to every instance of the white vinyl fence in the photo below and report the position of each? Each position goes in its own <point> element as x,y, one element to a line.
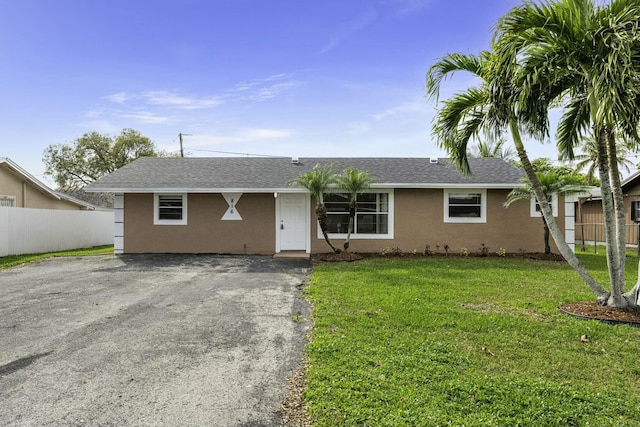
<point>26,231</point>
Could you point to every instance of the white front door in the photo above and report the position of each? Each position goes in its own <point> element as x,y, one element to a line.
<point>292,224</point>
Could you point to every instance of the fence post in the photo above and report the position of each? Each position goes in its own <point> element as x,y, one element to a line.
<point>595,238</point>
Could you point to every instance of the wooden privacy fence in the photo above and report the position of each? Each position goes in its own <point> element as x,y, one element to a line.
<point>590,233</point>
<point>25,231</point>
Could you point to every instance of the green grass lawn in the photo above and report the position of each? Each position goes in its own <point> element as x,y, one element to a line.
<point>453,341</point>
<point>13,260</point>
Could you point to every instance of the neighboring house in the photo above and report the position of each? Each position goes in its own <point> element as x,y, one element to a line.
<point>20,189</point>
<point>245,205</point>
<point>590,218</point>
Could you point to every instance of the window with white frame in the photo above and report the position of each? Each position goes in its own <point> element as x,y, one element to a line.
<point>373,219</point>
<point>465,206</point>
<point>8,201</point>
<point>170,209</point>
<point>535,206</point>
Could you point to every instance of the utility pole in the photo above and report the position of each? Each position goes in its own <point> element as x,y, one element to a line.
<point>181,149</point>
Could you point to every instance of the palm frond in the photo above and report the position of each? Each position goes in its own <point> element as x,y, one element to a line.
<point>448,65</point>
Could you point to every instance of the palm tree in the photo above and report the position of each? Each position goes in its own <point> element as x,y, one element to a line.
<point>585,58</point>
<point>493,107</point>
<point>553,185</point>
<point>492,149</point>
<point>317,182</point>
<point>354,182</point>
<point>589,158</point>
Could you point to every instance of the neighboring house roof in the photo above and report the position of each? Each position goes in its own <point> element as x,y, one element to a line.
<point>41,186</point>
<point>259,174</point>
<point>631,181</point>
<point>80,202</point>
<point>628,183</point>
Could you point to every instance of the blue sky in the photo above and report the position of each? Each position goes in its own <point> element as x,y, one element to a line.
<point>277,77</point>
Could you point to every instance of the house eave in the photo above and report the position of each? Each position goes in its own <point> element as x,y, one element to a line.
<point>293,189</point>
<point>28,177</point>
<point>491,186</point>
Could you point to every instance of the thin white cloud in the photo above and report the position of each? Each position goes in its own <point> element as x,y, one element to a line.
<point>348,29</point>
<point>404,108</point>
<point>406,7</point>
<point>166,98</point>
<point>119,98</point>
<point>156,107</point>
<point>268,92</point>
<point>259,90</point>
<point>173,99</point>
<point>92,114</point>
<point>146,117</point>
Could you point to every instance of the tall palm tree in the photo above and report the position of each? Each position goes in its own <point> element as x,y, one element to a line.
<point>354,182</point>
<point>317,182</point>
<point>553,185</point>
<point>493,107</point>
<point>584,57</point>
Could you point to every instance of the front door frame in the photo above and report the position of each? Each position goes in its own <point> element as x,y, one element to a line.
<point>307,222</point>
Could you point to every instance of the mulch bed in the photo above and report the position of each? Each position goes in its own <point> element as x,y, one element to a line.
<point>341,256</point>
<point>591,310</point>
<point>353,256</point>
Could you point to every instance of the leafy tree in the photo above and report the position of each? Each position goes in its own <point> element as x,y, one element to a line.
<point>317,182</point>
<point>583,57</point>
<point>554,184</point>
<point>493,107</point>
<point>94,155</point>
<point>354,182</point>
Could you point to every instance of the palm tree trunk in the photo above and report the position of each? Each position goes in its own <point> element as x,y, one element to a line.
<point>610,221</point>
<point>321,213</point>
<point>352,215</point>
<point>581,216</point>
<point>620,220</point>
<point>568,254</point>
<point>547,247</point>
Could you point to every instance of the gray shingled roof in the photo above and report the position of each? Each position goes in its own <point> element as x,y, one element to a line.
<point>268,174</point>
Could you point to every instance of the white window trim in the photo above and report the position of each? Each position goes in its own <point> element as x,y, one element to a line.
<point>157,221</point>
<point>356,236</point>
<point>459,220</point>
<point>538,214</point>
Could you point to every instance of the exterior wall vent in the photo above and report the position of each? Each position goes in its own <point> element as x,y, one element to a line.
<point>433,160</point>
<point>295,160</point>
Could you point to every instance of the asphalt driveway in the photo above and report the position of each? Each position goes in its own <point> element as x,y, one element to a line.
<point>180,340</point>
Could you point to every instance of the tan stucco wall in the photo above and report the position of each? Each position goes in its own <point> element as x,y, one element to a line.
<point>27,194</point>
<point>204,232</point>
<point>419,221</point>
